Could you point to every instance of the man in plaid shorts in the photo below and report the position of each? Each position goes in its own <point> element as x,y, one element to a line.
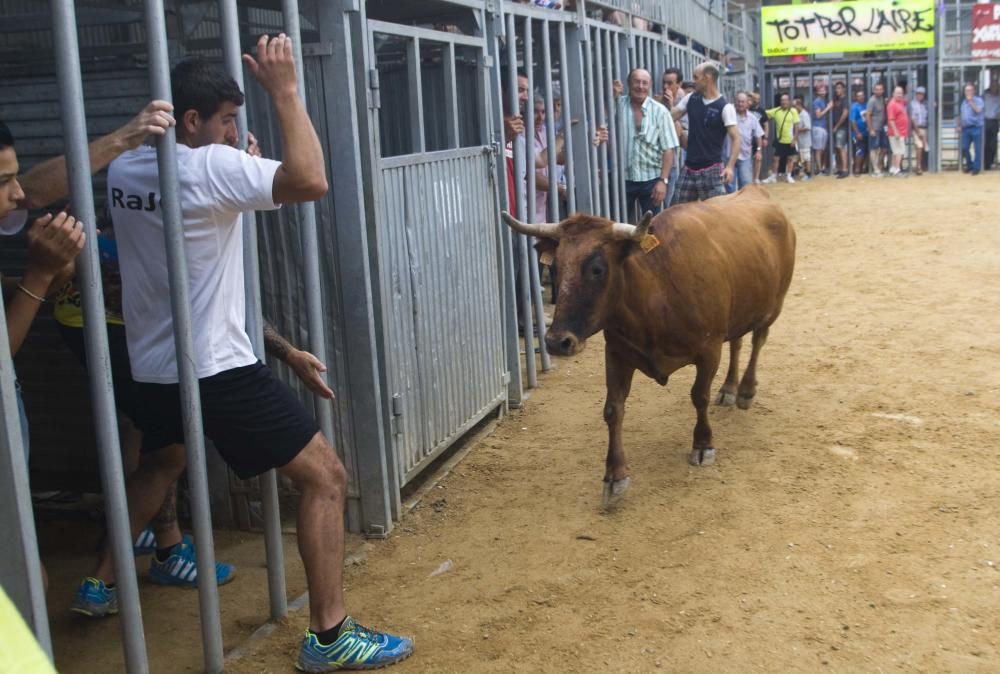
<point>710,120</point>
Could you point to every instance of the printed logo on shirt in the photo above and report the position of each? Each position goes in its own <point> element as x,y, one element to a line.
<point>133,202</point>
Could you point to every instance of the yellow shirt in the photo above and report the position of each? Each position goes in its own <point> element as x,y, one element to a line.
<point>784,122</point>
<point>19,652</point>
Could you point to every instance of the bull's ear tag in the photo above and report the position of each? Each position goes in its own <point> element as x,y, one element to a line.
<point>648,243</point>
<point>546,258</point>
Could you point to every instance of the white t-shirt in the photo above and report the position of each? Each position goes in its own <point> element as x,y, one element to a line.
<point>728,110</point>
<point>804,138</point>
<point>217,184</point>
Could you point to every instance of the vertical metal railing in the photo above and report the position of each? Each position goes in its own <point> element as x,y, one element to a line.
<point>603,115</point>
<point>616,195</point>
<point>550,124</point>
<point>231,51</point>
<point>95,331</point>
<point>521,241</point>
<point>567,117</point>
<point>534,277</point>
<point>173,230</point>
<point>587,46</point>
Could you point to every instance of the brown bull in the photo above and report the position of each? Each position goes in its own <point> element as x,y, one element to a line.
<point>719,269</point>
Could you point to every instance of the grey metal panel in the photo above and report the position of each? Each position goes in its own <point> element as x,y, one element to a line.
<point>438,247</point>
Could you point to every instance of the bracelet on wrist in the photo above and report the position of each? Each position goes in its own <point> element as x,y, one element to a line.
<point>20,286</point>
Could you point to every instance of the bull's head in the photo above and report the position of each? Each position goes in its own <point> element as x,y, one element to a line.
<point>589,254</point>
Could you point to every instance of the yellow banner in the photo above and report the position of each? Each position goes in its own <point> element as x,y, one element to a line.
<point>864,25</point>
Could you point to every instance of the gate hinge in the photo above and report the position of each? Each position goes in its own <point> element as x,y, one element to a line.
<point>397,414</point>
<point>375,97</point>
<point>505,377</point>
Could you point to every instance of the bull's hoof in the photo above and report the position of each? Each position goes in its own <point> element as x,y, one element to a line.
<point>614,492</point>
<point>725,399</point>
<point>702,457</point>
<point>744,402</point>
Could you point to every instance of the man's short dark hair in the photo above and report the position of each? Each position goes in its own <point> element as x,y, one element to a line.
<point>628,80</point>
<point>6,137</point>
<point>202,86</point>
<point>673,71</point>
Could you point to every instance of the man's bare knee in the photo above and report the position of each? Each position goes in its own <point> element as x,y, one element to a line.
<point>318,468</point>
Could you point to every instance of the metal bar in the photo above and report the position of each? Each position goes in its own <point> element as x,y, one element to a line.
<point>616,189</point>
<point>524,290</point>
<point>529,147</point>
<point>622,201</point>
<point>315,315</point>
<point>451,98</point>
<point>173,230</point>
<point>602,112</point>
<point>399,30</point>
<point>274,551</point>
<point>95,331</point>
<point>550,124</point>
<point>505,257</point>
<point>417,143</point>
<point>567,116</point>
<point>594,155</point>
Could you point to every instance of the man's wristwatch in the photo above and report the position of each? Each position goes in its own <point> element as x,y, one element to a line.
<point>662,180</point>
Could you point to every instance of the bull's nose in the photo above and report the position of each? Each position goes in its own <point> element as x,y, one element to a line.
<point>562,344</point>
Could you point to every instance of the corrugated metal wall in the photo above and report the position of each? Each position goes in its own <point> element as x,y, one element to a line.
<point>441,293</point>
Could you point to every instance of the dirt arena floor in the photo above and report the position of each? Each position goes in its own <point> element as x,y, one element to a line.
<point>850,523</point>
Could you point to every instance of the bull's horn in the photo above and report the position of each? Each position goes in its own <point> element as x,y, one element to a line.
<point>621,230</point>
<point>541,230</point>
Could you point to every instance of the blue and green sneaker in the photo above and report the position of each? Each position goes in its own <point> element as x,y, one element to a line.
<point>95,599</point>
<point>357,647</point>
<point>145,544</point>
<point>181,568</point>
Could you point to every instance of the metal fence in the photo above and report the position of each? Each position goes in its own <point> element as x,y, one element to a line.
<point>403,279</point>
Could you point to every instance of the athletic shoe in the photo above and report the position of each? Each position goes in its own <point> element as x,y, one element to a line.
<point>95,599</point>
<point>842,174</point>
<point>145,544</point>
<point>770,179</point>
<point>181,568</point>
<point>789,178</point>
<point>357,647</point>
<point>805,179</point>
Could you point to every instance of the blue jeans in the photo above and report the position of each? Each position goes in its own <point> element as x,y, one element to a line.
<point>972,135</point>
<point>742,175</point>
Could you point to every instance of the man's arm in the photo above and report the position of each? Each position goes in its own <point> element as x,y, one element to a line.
<point>48,182</point>
<point>734,151</point>
<point>54,241</point>
<point>306,366</point>
<point>302,174</point>
<point>843,118</point>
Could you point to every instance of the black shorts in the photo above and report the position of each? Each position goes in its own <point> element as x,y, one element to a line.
<point>121,367</point>
<point>254,419</point>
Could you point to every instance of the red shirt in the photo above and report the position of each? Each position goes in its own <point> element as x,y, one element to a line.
<point>895,111</point>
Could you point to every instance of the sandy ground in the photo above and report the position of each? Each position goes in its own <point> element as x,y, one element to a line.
<point>850,523</point>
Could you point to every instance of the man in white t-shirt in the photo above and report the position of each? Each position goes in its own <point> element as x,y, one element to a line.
<point>711,119</point>
<point>255,421</point>
<point>803,138</point>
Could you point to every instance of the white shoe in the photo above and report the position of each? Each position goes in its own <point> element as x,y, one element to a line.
<point>805,179</point>
<point>877,174</point>
<point>770,179</point>
<point>789,178</point>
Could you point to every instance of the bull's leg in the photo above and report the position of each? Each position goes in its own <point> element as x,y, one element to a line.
<point>727,394</point>
<point>748,386</point>
<point>619,383</point>
<point>703,454</point>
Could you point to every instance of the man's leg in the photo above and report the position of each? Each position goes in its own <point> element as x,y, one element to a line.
<point>977,141</point>
<point>145,491</point>
<point>966,144</point>
<point>990,146</point>
<point>320,476</point>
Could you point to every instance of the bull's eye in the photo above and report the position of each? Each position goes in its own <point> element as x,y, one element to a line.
<point>595,270</point>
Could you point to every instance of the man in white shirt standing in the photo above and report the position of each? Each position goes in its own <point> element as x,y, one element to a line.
<point>254,420</point>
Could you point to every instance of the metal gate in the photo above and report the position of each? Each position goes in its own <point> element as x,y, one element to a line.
<point>437,240</point>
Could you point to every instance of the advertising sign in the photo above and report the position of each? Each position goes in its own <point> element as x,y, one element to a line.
<point>986,31</point>
<point>864,25</point>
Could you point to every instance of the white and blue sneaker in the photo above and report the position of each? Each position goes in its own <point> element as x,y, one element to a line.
<point>94,599</point>
<point>181,568</point>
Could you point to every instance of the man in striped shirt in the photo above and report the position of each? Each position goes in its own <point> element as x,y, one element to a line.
<point>649,140</point>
